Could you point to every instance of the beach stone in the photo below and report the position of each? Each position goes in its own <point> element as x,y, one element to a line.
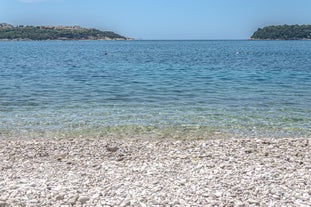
<point>95,196</point>
<point>72,200</point>
<point>112,148</point>
<point>60,157</point>
<point>83,199</point>
<point>60,197</point>
<point>218,193</point>
<point>142,204</point>
<point>239,203</point>
<point>125,203</point>
<point>254,202</point>
<point>3,204</point>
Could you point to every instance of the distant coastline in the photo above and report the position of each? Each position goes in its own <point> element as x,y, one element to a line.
<point>27,33</point>
<point>283,32</point>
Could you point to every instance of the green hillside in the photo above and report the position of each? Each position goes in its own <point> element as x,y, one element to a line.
<point>283,32</point>
<point>9,32</point>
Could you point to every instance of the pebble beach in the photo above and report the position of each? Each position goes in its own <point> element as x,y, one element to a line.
<point>140,172</point>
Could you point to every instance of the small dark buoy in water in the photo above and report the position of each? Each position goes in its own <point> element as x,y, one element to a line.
<point>105,53</point>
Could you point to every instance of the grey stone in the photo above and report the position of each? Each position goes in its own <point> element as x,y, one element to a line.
<point>60,197</point>
<point>83,199</point>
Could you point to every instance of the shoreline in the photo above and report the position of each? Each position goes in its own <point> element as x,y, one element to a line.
<point>140,172</point>
<point>152,132</point>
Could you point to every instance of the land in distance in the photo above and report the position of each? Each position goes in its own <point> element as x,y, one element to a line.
<point>21,32</point>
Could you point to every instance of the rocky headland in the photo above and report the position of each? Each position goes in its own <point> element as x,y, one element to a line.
<point>21,32</point>
<point>283,32</point>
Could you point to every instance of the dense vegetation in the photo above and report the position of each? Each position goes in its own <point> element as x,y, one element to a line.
<point>54,33</point>
<point>283,32</point>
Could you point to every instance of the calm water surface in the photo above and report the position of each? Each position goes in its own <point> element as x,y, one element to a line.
<point>163,88</point>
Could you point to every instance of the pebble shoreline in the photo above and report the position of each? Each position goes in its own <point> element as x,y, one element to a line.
<point>140,172</point>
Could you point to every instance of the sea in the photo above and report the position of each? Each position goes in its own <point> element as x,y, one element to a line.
<point>156,89</point>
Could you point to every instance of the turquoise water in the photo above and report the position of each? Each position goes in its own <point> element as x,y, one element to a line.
<point>159,88</point>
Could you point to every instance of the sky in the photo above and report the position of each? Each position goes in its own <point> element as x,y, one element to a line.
<point>160,19</point>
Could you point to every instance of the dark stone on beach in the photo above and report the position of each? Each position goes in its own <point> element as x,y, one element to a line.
<point>120,158</point>
<point>112,148</point>
<point>3,204</point>
<point>83,199</point>
<point>248,151</point>
<point>60,197</point>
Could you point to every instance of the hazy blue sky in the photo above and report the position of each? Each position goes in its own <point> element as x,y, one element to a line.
<point>160,19</point>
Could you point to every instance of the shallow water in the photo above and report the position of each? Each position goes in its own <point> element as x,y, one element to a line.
<point>160,88</point>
